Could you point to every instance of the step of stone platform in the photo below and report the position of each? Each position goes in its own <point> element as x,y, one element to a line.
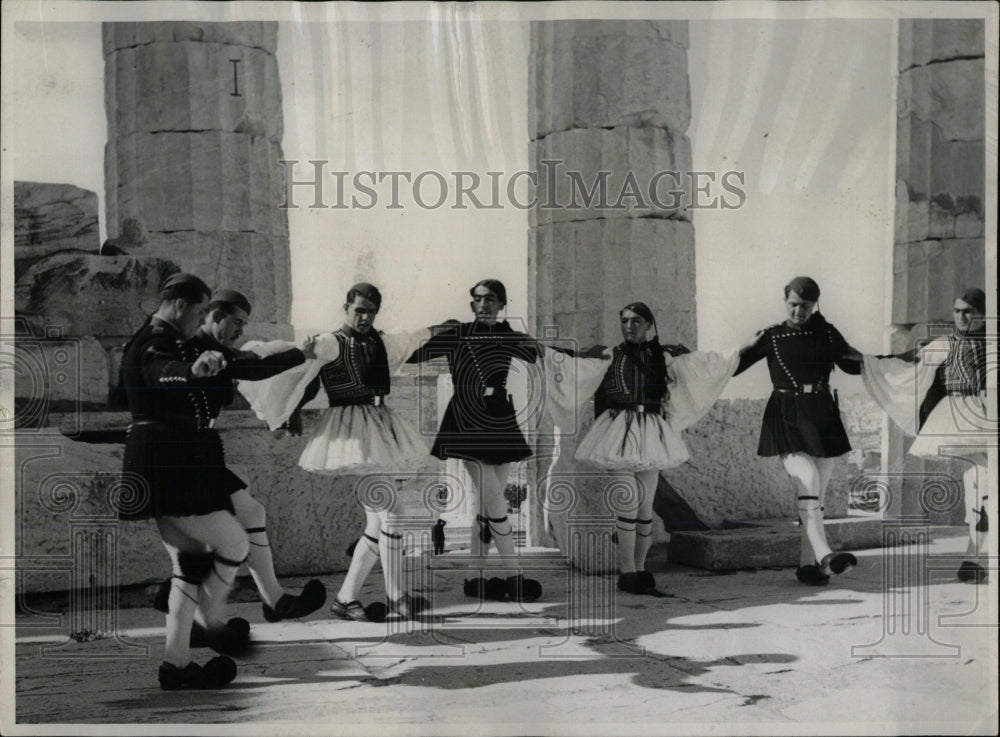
<point>768,543</point>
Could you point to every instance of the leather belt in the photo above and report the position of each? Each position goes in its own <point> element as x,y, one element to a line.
<point>376,400</point>
<point>636,407</point>
<point>804,389</point>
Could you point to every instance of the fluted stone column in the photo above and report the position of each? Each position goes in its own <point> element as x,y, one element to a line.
<point>194,140</point>
<point>606,96</point>
<point>939,245</point>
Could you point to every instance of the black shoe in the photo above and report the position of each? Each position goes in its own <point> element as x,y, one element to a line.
<point>290,606</point>
<point>837,562</point>
<point>161,602</point>
<point>475,587</point>
<point>496,589</point>
<point>523,589</point>
<point>647,584</point>
<point>408,606</point>
<point>629,583</point>
<point>973,572</point>
<point>217,673</point>
<point>376,611</point>
<point>811,575</point>
<point>233,639</point>
<point>200,638</point>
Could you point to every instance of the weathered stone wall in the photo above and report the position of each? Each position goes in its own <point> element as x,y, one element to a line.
<point>63,486</point>
<point>50,218</point>
<point>194,142</point>
<point>939,243</point>
<point>73,307</point>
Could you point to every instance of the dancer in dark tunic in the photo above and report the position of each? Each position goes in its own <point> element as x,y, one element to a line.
<point>954,419</point>
<point>359,435</point>
<point>480,425</point>
<point>802,421</point>
<point>638,426</point>
<point>174,471</point>
<point>227,316</point>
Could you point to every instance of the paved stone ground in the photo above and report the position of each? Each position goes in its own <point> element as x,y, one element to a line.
<point>750,651</point>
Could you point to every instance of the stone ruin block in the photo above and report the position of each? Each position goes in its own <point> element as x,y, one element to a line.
<point>197,181</point>
<point>630,162</point>
<point>90,295</point>
<point>260,34</point>
<point>925,40</point>
<point>614,262</point>
<point>193,86</point>
<point>256,265</point>
<point>583,80</point>
<point>58,373</point>
<point>545,33</point>
<point>928,274</point>
<point>50,218</point>
<point>950,95</point>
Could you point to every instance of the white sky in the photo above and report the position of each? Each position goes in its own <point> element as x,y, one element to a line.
<point>804,107</point>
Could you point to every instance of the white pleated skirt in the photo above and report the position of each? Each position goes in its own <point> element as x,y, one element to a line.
<point>626,440</point>
<point>363,439</point>
<point>958,421</point>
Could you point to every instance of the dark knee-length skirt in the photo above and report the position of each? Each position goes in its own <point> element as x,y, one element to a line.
<point>802,423</point>
<point>481,429</point>
<point>172,472</point>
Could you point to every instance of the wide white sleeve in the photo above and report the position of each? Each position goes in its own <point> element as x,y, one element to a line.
<point>899,387</point>
<point>697,381</point>
<point>400,345</point>
<point>273,400</point>
<point>569,383</point>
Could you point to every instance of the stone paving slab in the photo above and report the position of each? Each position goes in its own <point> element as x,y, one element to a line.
<point>740,652</point>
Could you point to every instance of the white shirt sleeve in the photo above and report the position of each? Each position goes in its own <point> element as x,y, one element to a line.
<point>697,381</point>
<point>899,387</point>
<point>274,399</point>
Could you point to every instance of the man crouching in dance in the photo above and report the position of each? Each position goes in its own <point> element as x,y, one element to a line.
<point>174,472</point>
<point>228,314</point>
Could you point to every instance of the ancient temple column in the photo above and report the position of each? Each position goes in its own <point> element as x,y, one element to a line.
<point>194,140</point>
<point>609,106</point>
<point>939,244</point>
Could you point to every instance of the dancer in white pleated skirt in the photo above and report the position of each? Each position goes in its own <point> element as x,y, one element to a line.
<point>639,423</point>
<point>942,400</point>
<point>359,435</point>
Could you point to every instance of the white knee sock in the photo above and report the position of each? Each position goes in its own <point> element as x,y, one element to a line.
<point>366,552</point>
<point>812,518</point>
<point>261,566</point>
<point>390,546</point>
<point>215,591</point>
<point>182,604</point>
<point>643,541</point>
<point>503,536</point>
<point>625,528</point>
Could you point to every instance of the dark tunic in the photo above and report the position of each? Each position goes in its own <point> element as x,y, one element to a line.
<point>358,375</point>
<point>219,390</point>
<point>174,463</point>
<point>637,377</point>
<point>480,422</point>
<point>801,415</point>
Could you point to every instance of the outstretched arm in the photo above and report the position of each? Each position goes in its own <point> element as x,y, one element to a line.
<point>594,351</point>
<point>249,366</point>
<point>752,351</point>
